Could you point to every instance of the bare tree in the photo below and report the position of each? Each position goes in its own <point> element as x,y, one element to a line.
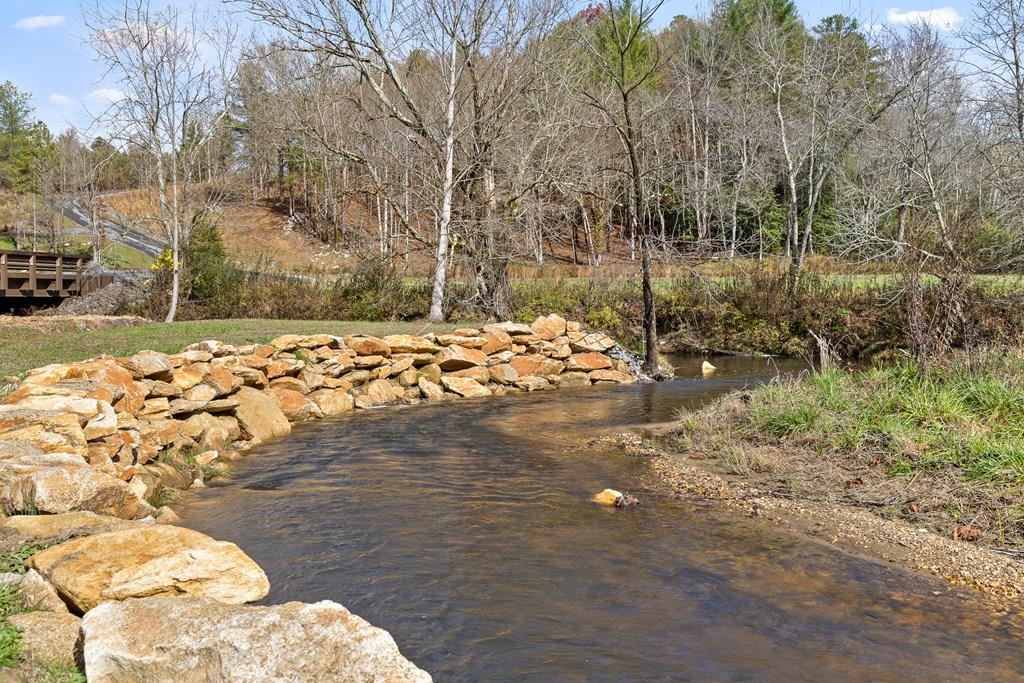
<point>174,100</point>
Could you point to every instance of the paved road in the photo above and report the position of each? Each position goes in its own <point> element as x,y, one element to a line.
<point>147,244</point>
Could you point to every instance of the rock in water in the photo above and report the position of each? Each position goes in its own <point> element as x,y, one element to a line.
<point>198,639</point>
<point>608,497</point>
<point>707,368</point>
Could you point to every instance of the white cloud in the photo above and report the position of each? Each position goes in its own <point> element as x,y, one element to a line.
<point>106,95</point>
<point>941,18</point>
<point>61,100</point>
<point>39,21</point>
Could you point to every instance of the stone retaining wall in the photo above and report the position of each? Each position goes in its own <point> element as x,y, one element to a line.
<point>95,445</point>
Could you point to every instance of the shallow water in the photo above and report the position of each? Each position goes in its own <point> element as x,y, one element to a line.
<point>466,530</point>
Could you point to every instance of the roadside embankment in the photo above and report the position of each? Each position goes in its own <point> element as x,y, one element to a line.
<point>924,467</point>
<point>91,452</point>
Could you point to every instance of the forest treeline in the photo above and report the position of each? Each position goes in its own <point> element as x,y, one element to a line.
<point>482,133</point>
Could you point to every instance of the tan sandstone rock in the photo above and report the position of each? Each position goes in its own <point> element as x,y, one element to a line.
<point>66,489</point>
<point>259,415</point>
<point>147,560</point>
<point>194,639</point>
<point>535,364</point>
<point>48,638</point>
<point>503,374</point>
<point>458,358</point>
<point>464,386</point>
<point>431,391</point>
<point>548,327</point>
<point>611,376</point>
<point>34,593</point>
<point>294,404</point>
<point>588,361</point>
<point>407,343</point>
<point>332,401</point>
<point>365,345</point>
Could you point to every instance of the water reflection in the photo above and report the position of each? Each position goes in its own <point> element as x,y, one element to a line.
<point>466,531</point>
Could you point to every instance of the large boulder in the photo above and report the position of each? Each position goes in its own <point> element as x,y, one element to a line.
<point>365,345</point>
<point>53,490</point>
<point>294,404</point>
<point>456,357</point>
<point>332,401</point>
<point>549,327</point>
<point>196,639</point>
<point>149,364</point>
<point>145,560</point>
<point>259,416</point>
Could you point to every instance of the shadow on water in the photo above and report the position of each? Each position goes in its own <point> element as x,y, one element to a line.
<point>466,530</point>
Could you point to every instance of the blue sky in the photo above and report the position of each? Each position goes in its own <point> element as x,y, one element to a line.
<point>43,48</point>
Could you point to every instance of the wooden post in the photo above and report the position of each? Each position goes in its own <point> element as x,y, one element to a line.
<point>32,274</point>
<point>60,275</point>
<point>3,274</point>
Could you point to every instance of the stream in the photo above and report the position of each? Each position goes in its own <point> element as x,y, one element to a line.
<point>466,530</point>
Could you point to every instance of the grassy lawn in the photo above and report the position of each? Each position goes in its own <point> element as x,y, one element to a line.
<point>118,256</point>
<point>23,348</point>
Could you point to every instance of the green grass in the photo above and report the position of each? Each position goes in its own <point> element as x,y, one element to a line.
<point>10,637</point>
<point>22,349</point>
<point>968,418</point>
<point>14,562</point>
<point>122,257</point>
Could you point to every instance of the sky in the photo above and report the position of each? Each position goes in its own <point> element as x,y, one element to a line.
<point>43,46</point>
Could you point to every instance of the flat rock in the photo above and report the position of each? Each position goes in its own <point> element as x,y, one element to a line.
<point>196,639</point>
<point>464,386</point>
<point>597,342</point>
<point>611,376</point>
<point>41,530</point>
<point>510,328</point>
<point>147,560</point>
<point>536,364</point>
<point>407,343</point>
<point>588,361</point>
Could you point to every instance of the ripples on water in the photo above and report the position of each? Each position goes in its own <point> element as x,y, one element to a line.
<point>466,530</point>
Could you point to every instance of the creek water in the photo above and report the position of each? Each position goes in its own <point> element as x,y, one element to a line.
<point>467,531</point>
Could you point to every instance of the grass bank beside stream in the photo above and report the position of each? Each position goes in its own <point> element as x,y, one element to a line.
<point>27,343</point>
<point>941,449</point>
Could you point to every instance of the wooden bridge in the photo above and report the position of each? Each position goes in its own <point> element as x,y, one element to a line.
<point>29,278</point>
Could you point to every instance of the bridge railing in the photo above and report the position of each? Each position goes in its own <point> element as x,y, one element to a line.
<point>38,275</point>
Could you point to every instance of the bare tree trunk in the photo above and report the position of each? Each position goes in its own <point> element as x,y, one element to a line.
<point>447,191</point>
